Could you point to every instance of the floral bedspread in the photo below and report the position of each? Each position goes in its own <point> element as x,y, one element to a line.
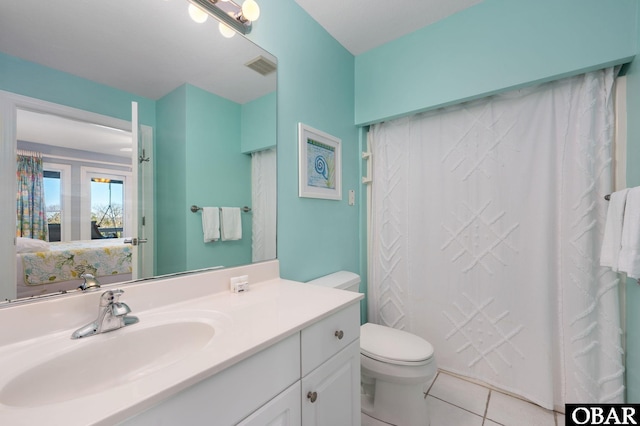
<point>68,260</point>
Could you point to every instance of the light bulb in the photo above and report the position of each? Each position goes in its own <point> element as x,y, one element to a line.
<point>250,10</point>
<point>226,30</point>
<point>197,14</point>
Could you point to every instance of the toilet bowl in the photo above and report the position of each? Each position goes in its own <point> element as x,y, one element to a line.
<point>396,370</point>
<point>396,367</point>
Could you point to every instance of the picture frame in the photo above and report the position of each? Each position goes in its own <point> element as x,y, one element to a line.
<point>319,164</point>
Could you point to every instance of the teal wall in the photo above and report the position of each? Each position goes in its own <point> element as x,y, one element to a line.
<point>199,162</point>
<point>217,174</point>
<point>170,175</point>
<point>36,81</point>
<point>258,124</point>
<point>492,46</point>
<point>315,87</point>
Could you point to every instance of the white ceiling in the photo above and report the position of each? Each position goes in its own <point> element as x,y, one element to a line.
<point>62,132</point>
<point>361,25</point>
<point>146,47</point>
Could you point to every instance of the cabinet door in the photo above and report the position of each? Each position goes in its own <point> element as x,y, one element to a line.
<point>283,410</point>
<point>331,392</point>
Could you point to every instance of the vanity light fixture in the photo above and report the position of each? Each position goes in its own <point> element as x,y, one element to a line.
<point>225,30</point>
<point>229,13</point>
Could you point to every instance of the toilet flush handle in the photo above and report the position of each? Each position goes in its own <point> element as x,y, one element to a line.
<point>339,334</point>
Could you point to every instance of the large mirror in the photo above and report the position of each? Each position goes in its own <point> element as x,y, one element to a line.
<point>140,143</point>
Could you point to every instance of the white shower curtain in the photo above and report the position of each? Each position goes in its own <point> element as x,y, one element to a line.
<point>486,226</point>
<point>263,202</point>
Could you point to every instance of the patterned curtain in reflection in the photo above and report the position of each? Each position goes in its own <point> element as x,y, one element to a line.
<point>30,206</point>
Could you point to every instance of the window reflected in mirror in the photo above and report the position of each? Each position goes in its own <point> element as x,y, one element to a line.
<point>53,202</point>
<point>107,207</point>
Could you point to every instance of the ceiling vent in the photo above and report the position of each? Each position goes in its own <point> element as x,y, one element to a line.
<point>261,65</point>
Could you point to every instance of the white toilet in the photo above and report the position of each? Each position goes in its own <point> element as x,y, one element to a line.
<point>396,368</point>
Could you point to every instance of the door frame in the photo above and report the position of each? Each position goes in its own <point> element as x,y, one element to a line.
<point>9,104</point>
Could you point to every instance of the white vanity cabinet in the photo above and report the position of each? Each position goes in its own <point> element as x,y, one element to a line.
<point>310,378</point>
<point>328,393</point>
<point>331,370</point>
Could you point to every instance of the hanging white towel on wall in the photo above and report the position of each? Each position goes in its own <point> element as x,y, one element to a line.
<point>613,230</point>
<point>230,223</point>
<point>629,259</point>
<point>211,224</point>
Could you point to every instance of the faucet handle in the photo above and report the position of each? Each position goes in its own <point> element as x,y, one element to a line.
<point>90,282</point>
<point>110,297</point>
<point>106,298</point>
<point>120,309</point>
<point>116,294</point>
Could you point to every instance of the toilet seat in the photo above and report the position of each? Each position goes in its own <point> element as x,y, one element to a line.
<point>388,345</point>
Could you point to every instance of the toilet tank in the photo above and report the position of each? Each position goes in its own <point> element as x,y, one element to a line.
<point>343,280</point>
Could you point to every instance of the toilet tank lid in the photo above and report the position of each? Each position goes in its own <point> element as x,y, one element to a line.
<point>388,344</point>
<point>340,279</point>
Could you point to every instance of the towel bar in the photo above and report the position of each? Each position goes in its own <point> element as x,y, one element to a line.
<point>195,208</point>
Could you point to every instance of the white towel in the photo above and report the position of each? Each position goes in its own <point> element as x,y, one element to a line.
<point>629,259</point>
<point>230,223</point>
<point>613,230</point>
<point>211,223</point>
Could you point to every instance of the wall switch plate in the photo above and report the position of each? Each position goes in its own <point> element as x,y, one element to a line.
<point>239,284</point>
<point>352,197</point>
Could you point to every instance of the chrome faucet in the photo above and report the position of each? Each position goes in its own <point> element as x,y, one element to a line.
<point>112,315</point>
<point>90,282</point>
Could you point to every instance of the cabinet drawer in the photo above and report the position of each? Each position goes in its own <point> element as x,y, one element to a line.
<point>325,338</point>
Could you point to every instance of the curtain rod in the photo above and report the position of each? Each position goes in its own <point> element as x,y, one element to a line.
<point>28,153</point>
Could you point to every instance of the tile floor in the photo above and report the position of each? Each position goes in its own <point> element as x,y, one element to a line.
<point>456,402</point>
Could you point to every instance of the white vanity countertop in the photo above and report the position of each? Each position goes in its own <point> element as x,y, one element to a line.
<point>246,323</point>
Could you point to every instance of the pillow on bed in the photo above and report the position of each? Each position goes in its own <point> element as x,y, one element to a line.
<point>30,245</point>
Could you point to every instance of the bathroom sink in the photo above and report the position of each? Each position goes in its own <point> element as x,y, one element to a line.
<point>106,361</point>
